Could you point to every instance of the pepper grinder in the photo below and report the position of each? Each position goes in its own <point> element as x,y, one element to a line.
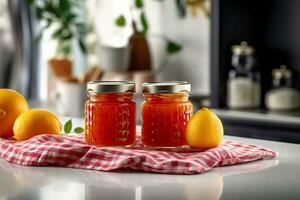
<point>243,85</point>
<point>282,96</point>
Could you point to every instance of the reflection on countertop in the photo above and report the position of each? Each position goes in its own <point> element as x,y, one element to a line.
<point>19,182</point>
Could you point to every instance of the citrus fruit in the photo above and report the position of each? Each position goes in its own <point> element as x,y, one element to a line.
<point>12,104</point>
<point>204,130</point>
<point>35,122</point>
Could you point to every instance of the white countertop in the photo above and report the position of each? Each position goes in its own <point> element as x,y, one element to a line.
<point>277,178</point>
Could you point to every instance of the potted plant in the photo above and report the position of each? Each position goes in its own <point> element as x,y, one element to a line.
<point>62,17</point>
<point>140,58</point>
<point>64,20</point>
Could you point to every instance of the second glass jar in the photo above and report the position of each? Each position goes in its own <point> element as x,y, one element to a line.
<point>165,112</point>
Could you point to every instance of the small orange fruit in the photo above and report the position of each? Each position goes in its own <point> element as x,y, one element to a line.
<point>36,122</point>
<point>12,104</point>
<point>204,130</point>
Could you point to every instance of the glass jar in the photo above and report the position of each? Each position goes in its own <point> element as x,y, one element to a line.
<point>282,96</point>
<point>165,112</point>
<point>110,113</point>
<point>282,77</point>
<point>243,84</point>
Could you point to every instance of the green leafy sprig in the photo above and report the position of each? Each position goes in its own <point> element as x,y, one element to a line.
<point>69,125</point>
<point>67,23</point>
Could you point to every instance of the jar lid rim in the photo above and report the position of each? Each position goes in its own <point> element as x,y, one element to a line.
<point>166,87</point>
<point>110,86</point>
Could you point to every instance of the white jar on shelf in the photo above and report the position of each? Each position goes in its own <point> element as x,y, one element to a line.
<point>282,97</point>
<point>243,85</point>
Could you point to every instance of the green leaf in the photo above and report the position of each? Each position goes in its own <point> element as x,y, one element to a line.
<point>39,13</point>
<point>57,34</point>
<point>49,8</point>
<point>82,46</point>
<point>139,3</point>
<point>64,47</point>
<point>79,130</point>
<point>70,18</point>
<point>81,28</point>
<point>48,23</point>
<point>173,47</point>
<point>64,5</point>
<point>30,2</point>
<point>67,36</point>
<point>68,126</point>
<point>121,21</point>
<point>144,22</point>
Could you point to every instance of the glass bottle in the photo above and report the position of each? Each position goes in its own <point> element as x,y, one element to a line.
<point>243,85</point>
<point>282,96</point>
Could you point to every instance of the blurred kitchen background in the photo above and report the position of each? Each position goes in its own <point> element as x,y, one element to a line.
<point>241,57</point>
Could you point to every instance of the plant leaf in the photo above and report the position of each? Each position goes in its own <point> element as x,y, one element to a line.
<point>30,1</point>
<point>70,18</point>
<point>144,22</point>
<point>173,47</point>
<point>64,47</point>
<point>82,46</point>
<point>121,21</point>
<point>81,28</point>
<point>67,36</point>
<point>79,130</point>
<point>68,126</point>
<point>139,3</point>
<point>57,34</point>
<point>64,5</point>
<point>48,23</point>
<point>48,7</point>
<point>39,13</point>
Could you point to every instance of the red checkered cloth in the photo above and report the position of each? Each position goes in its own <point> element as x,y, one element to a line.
<point>72,151</point>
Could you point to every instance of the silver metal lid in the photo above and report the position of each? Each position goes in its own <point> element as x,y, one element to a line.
<point>110,87</point>
<point>166,87</point>
<point>242,49</point>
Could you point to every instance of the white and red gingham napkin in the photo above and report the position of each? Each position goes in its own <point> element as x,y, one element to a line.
<point>72,151</point>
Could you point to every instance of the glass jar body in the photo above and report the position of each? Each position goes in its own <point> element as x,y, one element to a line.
<point>164,119</point>
<point>110,119</point>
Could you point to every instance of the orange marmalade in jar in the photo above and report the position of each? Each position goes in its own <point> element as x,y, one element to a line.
<point>165,112</point>
<point>110,113</point>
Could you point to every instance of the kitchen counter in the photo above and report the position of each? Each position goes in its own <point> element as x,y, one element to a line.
<point>290,119</point>
<point>277,178</point>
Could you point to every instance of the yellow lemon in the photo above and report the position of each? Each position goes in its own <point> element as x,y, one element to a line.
<point>204,130</point>
<point>35,122</point>
<point>12,104</point>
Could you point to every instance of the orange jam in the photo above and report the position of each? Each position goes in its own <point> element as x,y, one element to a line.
<point>165,115</point>
<point>110,114</point>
